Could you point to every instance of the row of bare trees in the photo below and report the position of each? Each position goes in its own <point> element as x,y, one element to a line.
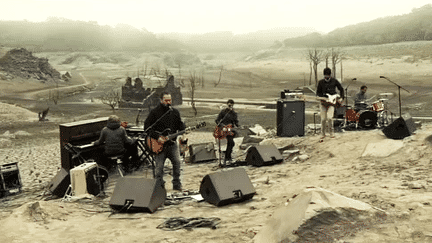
<point>331,57</point>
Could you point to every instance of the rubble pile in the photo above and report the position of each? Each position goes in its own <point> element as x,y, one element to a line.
<point>21,63</point>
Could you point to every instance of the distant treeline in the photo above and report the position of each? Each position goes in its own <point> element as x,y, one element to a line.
<point>58,34</point>
<point>414,26</point>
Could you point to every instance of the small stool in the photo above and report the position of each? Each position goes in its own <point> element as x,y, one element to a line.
<point>119,162</point>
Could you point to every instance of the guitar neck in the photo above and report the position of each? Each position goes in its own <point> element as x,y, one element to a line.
<point>171,136</point>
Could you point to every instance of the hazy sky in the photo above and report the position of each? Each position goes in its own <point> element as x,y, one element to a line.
<point>201,16</point>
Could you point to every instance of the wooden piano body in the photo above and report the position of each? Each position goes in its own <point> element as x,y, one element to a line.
<point>81,133</point>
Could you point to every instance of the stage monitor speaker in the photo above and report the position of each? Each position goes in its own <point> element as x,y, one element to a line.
<point>260,155</point>
<point>60,183</point>
<point>226,187</point>
<point>202,152</point>
<point>290,118</point>
<point>134,193</point>
<point>402,127</point>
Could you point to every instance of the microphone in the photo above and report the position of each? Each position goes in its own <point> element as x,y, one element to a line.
<point>170,107</point>
<point>382,77</point>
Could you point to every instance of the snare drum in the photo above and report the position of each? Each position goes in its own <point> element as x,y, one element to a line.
<point>378,106</point>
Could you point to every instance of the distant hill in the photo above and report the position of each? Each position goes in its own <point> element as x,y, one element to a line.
<point>58,34</point>
<point>226,40</point>
<point>414,26</point>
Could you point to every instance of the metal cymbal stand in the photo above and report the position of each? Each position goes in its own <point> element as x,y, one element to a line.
<point>399,88</point>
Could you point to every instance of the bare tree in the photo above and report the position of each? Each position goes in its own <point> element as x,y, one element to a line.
<point>112,97</point>
<point>54,95</point>
<point>336,57</point>
<point>145,68</point>
<point>180,77</point>
<point>315,56</point>
<point>326,56</point>
<point>194,80</point>
<point>220,76</point>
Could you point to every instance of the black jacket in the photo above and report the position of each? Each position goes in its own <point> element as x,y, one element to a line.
<point>230,118</point>
<point>114,137</point>
<point>171,120</point>
<point>325,88</point>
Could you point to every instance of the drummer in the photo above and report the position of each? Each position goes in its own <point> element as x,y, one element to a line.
<point>361,99</point>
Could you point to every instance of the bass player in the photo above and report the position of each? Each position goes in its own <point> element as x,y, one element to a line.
<point>161,118</point>
<point>327,88</point>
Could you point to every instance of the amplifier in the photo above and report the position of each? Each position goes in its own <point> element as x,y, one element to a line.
<point>10,181</point>
<point>84,178</point>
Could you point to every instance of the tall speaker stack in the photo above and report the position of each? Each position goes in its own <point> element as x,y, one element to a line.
<point>290,118</point>
<point>399,129</point>
<point>227,187</point>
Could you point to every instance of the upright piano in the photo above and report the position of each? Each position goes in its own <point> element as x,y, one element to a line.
<point>81,134</point>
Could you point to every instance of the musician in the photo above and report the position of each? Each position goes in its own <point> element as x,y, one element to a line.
<point>226,117</point>
<point>117,142</point>
<point>163,117</point>
<point>327,86</point>
<point>361,99</point>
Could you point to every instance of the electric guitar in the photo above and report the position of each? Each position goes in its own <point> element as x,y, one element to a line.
<point>156,147</point>
<point>332,99</point>
<point>222,132</point>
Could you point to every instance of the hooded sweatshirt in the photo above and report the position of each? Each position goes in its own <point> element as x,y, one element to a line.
<point>114,136</point>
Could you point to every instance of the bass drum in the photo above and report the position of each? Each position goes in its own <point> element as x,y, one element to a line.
<point>351,115</point>
<point>367,119</point>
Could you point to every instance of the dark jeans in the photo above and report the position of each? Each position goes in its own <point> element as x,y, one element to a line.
<point>230,146</point>
<point>171,152</point>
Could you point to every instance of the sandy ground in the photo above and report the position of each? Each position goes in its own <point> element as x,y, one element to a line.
<point>361,165</point>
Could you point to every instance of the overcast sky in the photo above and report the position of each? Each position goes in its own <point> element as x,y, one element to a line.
<point>201,16</point>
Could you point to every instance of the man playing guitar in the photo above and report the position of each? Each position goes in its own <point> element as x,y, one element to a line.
<point>227,119</point>
<point>161,118</point>
<point>327,88</point>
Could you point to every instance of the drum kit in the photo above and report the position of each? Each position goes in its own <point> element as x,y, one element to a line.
<point>370,117</point>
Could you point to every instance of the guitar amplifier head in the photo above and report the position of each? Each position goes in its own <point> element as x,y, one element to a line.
<point>81,178</point>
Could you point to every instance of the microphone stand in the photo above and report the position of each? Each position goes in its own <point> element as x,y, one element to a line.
<point>346,92</point>
<point>399,88</point>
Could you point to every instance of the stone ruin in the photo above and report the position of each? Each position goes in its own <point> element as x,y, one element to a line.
<point>21,63</point>
<point>136,96</point>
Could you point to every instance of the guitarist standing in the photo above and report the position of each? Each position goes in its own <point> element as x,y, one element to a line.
<point>228,117</point>
<point>161,118</point>
<point>327,86</point>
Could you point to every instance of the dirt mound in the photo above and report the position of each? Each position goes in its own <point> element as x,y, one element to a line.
<point>22,63</point>
<point>13,113</point>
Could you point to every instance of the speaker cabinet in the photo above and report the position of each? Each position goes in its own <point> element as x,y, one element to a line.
<point>263,155</point>
<point>290,118</point>
<point>10,180</point>
<point>402,127</point>
<point>227,187</point>
<point>84,178</point>
<point>202,152</point>
<point>134,193</point>
<point>60,183</point>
